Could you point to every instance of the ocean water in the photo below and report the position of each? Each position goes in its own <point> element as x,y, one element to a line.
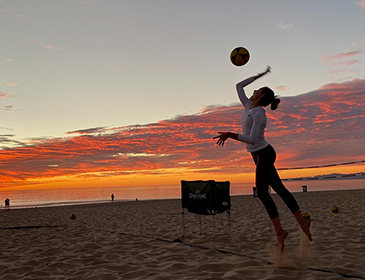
<point>57,197</point>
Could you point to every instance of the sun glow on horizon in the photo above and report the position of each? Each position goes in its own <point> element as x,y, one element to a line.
<point>163,177</point>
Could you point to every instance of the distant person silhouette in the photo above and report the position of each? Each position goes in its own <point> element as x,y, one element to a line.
<point>7,202</point>
<point>112,197</point>
<point>253,123</point>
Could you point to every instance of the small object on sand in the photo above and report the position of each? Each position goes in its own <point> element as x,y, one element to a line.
<point>73,217</point>
<point>335,209</point>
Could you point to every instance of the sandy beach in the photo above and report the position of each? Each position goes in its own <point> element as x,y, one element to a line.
<point>143,240</point>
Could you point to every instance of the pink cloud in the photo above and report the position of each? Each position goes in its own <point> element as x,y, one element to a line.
<point>361,42</point>
<point>362,4</point>
<point>319,127</point>
<point>280,88</point>
<point>337,71</point>
<point>51,47</point>
<point>3,94</point>
<point>347,63</point>
<point>11,84</point>
<point>339,56</point>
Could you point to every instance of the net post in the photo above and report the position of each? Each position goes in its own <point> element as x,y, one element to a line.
<point>200,224</point>
<point>183,222</point>
<point>214,226</point>
<point>229,222</point>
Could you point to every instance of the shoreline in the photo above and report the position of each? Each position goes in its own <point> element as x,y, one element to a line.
<point>57,197</point>
<point>106,202</point>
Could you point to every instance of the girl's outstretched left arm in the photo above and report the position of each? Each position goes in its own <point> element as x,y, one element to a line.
<point>223,136</point>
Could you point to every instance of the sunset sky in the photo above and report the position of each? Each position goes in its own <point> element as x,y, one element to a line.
<point>129,93</point>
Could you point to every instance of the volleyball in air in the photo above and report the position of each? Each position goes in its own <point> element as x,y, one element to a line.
<point>240,56</point>
<point>73,217</point>
<point>334,209</point>
<point>306,216</point>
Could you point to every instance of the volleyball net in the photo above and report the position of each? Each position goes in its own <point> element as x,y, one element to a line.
<point>321,166</point>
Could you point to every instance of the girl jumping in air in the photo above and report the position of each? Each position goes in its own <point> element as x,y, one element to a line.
<point>253,127</point>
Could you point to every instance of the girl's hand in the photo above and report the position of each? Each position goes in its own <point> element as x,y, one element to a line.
<point>268,70</point>
<point>223,136</point>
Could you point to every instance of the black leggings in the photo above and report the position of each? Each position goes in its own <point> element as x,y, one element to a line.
<point>266,175</point>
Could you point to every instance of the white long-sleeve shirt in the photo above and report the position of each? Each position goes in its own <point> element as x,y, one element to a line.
<point>253,121</point>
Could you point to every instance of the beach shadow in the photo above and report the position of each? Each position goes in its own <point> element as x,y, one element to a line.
<point>29,227</point>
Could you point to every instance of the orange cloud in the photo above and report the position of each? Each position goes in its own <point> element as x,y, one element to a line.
<point>3,94</point>
<point>319,127</point>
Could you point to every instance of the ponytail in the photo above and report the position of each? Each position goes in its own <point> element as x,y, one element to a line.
<point>274,103</point>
